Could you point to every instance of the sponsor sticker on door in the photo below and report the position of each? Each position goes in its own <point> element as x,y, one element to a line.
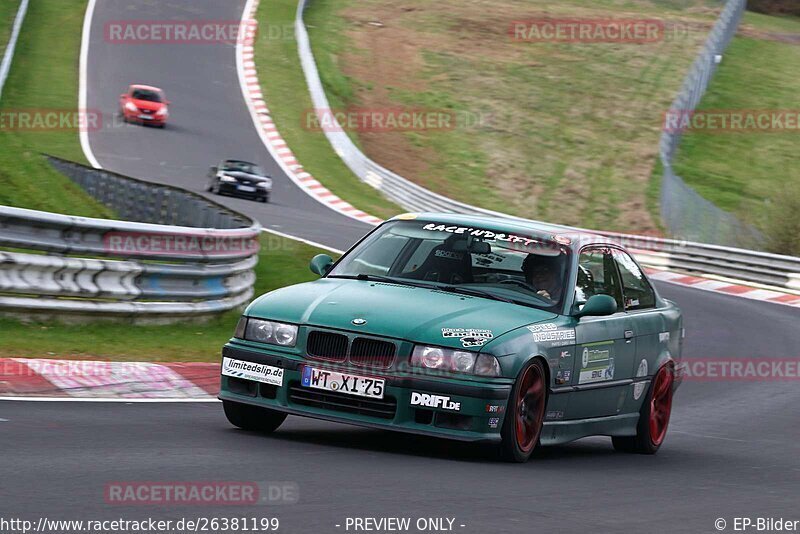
<point>597,364</point>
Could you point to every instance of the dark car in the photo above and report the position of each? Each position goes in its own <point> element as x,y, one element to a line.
<point>241,179</point>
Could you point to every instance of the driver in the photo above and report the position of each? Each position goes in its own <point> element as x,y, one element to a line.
<point>542,273</point>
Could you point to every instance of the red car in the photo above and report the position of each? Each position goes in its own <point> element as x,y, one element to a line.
<point>144,105</point>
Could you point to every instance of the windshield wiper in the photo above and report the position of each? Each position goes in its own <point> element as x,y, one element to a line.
<point>381,278</point>
<point>476,293</point>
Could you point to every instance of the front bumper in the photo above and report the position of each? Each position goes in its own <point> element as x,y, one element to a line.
<point>478,419</point>
<point>144,118</point>
<point>233,190</point>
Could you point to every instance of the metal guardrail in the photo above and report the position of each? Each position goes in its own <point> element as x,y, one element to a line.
<point>147,269</point>
<point>738,263</point>
<point>683,210</point>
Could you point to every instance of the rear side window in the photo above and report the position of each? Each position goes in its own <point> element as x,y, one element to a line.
<point>638,293</point>
<point>597,275</point>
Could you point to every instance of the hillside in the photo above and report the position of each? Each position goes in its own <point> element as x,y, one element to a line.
<point>561,131</point>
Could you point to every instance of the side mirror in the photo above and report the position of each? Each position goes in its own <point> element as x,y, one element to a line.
<point>598,306</point>
<point>321,264</point>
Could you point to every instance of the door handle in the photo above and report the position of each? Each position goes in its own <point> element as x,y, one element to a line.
<point>628,335</point>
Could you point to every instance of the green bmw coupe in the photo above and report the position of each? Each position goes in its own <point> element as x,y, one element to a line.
<point>468,328</point>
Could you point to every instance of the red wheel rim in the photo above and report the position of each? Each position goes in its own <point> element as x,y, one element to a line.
<point>661,405</point>
<point>529,408</point>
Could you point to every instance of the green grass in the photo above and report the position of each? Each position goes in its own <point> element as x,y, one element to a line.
<point>745,173</point>
<point>44,76</point>
<point>285,92</point>
<point>282,262</point>
<point>566,131</point>
<point>8,10</point>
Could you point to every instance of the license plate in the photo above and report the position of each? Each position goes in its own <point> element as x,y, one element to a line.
<point>343,383</point>
<point>257,372</point>
<point>146,117</point>
<point>246,188</point>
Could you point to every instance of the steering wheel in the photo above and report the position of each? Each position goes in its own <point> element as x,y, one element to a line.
<point>520,283</point>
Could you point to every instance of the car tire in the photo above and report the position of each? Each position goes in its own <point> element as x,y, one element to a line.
<point>248,417</point>
<point>215,188</point>
<point>524,418</point>
<point>264,199</point>
<point>651,430</point>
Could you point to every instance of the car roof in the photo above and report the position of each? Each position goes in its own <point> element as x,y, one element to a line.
<point>146,87</point>
<point>544,231</point>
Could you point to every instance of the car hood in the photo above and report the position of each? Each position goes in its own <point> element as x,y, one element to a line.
<point>146,104</point>
<point>405,312</point>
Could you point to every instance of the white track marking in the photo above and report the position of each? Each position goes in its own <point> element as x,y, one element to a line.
<point>83,97</point>
<point>8,56</point>
<point>300,239</point>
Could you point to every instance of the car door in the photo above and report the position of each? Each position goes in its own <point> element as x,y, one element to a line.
<point>605,346</point>
<point>647,322</point>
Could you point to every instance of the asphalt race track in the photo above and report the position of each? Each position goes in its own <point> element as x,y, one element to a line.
<point>731,451</point>
<point>209,120</point>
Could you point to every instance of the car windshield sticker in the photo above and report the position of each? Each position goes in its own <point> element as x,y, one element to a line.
<point>549,332</point>
<point>470,337</point>
<point>478,232</point>
<point>597,364</point>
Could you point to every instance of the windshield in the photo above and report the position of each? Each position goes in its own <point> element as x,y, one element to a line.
<point>146,95</point>
<point>480,261</point>
<point>242,166</point>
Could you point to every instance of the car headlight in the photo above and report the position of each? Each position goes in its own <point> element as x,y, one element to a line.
<point>131,107</point>
<point>487,365</point>
<point>161,112</point>
<point>226,178</point>
<point>270,332</point>
<point>442,359</point>
<point>265,185</point>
